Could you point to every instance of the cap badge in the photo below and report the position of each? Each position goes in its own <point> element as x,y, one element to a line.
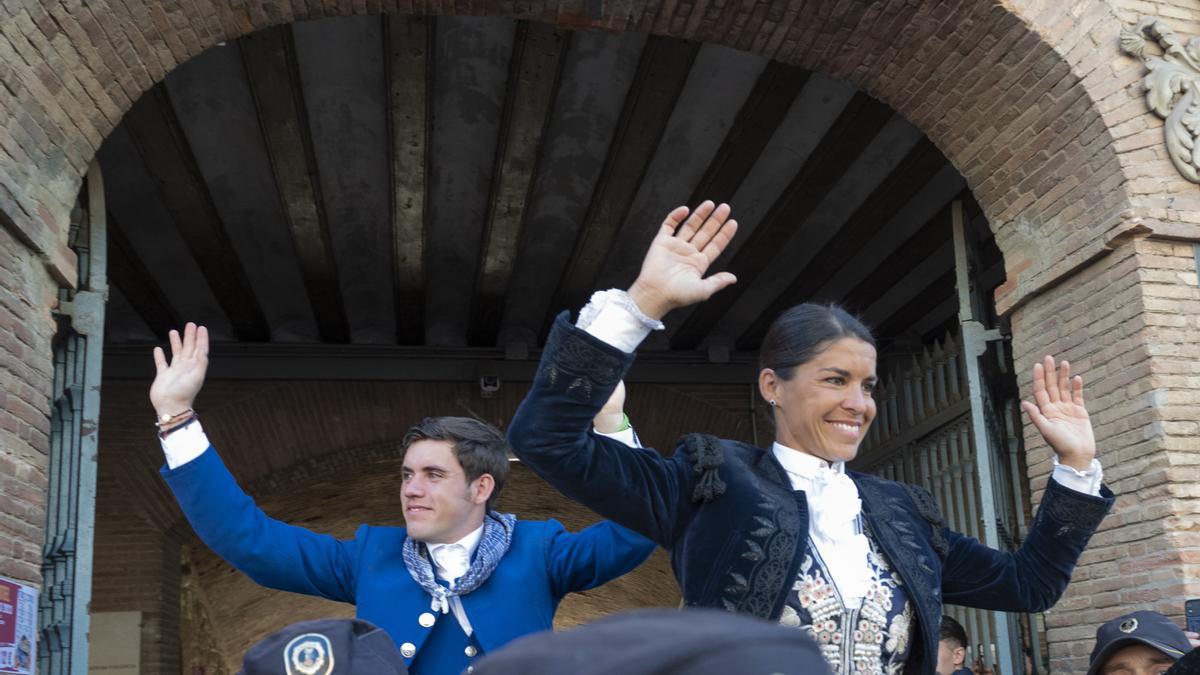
<point>1128,625</point>
<point>308,654</point>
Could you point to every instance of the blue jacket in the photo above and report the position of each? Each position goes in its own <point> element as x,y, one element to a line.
<point>543,563</point>
<point>736,530</point>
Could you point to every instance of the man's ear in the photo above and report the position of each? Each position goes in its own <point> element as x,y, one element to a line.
<point>960,657</point>
<point>485,485</point>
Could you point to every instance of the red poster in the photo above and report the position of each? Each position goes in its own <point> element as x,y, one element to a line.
<point>18,627</point>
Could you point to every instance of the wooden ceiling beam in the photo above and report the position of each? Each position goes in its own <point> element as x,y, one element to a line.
<point>538,54</point>
<point>661,75</point>
<point>408,48</point>
<point>917,168</point>
<point>762,113</point>
<point>271,69</point>
<point>830,160</point>
<point>168,158</point>
<point>127,272</point>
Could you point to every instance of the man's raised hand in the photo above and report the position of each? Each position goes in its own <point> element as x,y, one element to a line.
<point>673,270</point>
<point>176,384</point>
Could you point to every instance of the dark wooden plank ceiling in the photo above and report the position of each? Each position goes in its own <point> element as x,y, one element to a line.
<point>456,182</point>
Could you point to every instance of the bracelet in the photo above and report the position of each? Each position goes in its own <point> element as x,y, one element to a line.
<point>162,435</point>
<point>166,420</point>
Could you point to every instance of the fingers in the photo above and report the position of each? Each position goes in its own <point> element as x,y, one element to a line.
<point>1064,381</point>
<point>1077,391</point>
<point>717,282</point>
<point>720,240</point>
<point>1039,386</point>
<point>1035,416</point>
<point>671,223</point>
<point>201,343</point>
<point>692,225</point>
<point>189,340</point>
<point>1052,389</point>
<point>710,227</point>
<point>160,360</point>
<point>176,345</point>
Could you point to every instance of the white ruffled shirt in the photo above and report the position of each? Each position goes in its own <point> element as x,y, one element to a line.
<point>834,528</point>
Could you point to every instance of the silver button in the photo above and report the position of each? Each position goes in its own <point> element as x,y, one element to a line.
<point>471,650</point>
<point>426,620</point>
<point>407,650</point>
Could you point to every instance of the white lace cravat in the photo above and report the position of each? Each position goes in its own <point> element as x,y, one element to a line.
<point>833,524</point>
<point>452,560</point>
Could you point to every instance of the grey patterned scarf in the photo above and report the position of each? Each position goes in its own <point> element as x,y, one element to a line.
<point>497,536</point>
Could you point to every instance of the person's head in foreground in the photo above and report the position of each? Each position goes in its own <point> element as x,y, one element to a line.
<point>662,642</point>
<point>952,647</point>
<point>1140,643</point>
<point>817,372</point>
<point>325,647</point>
<point>454,468</point>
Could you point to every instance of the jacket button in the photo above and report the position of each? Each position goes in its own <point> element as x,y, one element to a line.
<point>471,651</point>
<point>426,620</point>
<point>407,650</point>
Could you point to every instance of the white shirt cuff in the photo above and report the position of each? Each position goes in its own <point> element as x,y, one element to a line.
<point>1088,482</point>
<point>184,445</point>
<point>610,317</point>
<point>626,436</point>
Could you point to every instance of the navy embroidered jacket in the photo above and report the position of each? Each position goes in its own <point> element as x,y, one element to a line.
<point>736,530</point>
<point>544,563</point>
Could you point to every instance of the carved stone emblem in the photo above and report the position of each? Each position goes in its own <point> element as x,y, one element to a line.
<point>1172,88</point>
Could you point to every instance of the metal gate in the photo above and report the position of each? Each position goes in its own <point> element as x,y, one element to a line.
<point>949,421</point>
<point>75,412</point>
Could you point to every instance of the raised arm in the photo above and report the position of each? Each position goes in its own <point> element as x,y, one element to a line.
<point>1034,577</point>
<point>272,553</point>
<point>581,368</point>
<point>594,556</point>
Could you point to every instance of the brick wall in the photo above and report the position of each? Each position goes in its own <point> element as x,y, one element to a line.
<point>321,454</point>
<point>26,328</point>
<point>1128,324</point>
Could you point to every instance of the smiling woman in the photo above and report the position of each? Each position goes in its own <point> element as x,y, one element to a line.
<point>786,533</point>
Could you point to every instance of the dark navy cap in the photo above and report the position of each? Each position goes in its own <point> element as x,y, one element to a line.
<point>1145,628</point>
<point>325,647</point>
<point>662,642</point>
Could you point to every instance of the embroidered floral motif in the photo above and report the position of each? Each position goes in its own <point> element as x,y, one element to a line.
<point>872,639</point>
<point>577,366</point>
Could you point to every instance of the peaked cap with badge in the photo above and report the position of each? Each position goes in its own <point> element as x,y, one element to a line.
<point>1146,628</point>
<point>325,647</point>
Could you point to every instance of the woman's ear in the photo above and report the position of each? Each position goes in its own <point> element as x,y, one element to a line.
<point>768,382</point>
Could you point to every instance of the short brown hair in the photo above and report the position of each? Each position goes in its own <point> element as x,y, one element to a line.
<point>478,446</point>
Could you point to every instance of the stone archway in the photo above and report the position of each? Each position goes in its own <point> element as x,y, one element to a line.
<point>1025,101</point>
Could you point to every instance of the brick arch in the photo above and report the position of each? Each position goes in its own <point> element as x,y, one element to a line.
<point>1011,100</point>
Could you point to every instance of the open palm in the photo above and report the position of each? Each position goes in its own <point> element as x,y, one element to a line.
<point>177,383</point>
<point>1060,415</point>
<point>673,270</point>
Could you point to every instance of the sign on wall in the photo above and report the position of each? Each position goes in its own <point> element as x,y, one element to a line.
<point>18,627</point>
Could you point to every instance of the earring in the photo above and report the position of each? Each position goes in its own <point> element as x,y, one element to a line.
<point>772,402</point>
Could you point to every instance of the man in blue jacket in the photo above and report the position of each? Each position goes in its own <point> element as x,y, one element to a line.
<point>461,580</point>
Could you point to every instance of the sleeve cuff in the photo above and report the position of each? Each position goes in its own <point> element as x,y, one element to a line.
<point>612,317</point>
<point>184,445</point>
<point>626,436</point>
<point>1088,481</point>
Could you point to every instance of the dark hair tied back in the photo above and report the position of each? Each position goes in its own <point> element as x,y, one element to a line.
<point>802,332</point>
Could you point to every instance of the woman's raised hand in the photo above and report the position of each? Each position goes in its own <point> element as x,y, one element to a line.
<point>673,271</point>
<point>1059,414</point>
<point>177,384</point>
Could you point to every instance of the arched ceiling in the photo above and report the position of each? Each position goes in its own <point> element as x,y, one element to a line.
<point>455,182</point>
